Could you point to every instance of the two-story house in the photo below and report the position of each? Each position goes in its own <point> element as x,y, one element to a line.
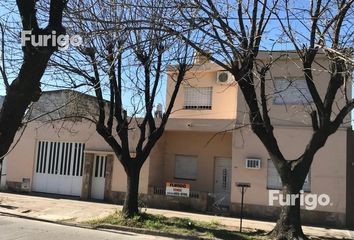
<point>209,144</point>
<point>207,148</point>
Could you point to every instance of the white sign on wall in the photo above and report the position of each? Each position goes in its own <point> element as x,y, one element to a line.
<point>177,189</point>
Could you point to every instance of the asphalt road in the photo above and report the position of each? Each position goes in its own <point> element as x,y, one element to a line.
<point>12,228</point>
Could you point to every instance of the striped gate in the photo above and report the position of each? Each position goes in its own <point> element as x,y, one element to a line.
<point>59,168</point>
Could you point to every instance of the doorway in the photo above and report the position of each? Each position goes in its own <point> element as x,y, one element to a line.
<point>99,177</point>
<point>222,183</point>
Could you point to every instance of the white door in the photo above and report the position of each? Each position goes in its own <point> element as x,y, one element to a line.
<point>59,167</point>
<point>222,184</point>
<point>98,177</point>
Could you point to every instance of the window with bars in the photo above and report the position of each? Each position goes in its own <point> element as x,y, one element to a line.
<point>100,166</point>
<point>291,92</point>
<point>60,158</point>
<point>274,181</point>
<point>198,98</point>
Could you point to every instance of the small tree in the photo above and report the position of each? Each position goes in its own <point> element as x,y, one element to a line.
<point>125,62</point>
<point>26,88</point>
<point>233,34</point>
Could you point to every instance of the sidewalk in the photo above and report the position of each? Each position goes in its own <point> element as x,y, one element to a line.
<point>58,209</point>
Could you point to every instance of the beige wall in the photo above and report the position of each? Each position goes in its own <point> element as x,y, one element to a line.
<point>228,101</point>
<point>223,98</point>
<point>195,143</point>
<point>328,171</point>
<point>156,164</point>
<point>293,115</point>
<point>24,153</point>
<point>119,179</point>
<point>200,125</point>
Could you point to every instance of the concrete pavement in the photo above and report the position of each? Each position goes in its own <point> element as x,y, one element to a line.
<point>59,209</point>
<point>22,229</point>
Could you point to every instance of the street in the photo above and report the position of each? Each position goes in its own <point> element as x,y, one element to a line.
<point>16,228</point>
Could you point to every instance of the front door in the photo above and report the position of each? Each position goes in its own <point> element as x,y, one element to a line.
<point>222,183</point>
<point>98,177</point>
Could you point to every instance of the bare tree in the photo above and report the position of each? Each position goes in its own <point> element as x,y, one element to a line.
<point>231,36</point>
<point>26,88</point>
<point>123,61</point>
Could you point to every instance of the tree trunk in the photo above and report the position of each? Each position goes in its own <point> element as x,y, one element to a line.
<point>1,163</point>
<point>288,226</point>
<point>131,206</point>
<point>24,90</point>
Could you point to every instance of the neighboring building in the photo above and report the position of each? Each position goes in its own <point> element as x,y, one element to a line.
<point>207,144</point>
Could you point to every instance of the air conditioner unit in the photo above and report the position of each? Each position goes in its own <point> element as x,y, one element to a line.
<point>224,77</point>
<point>253,163</point>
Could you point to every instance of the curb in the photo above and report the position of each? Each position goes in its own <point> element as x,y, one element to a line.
<point>147,231</point>
<point>103,227</point>
<point>45,220</point>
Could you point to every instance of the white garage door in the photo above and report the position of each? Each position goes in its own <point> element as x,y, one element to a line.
<point>59,167</point>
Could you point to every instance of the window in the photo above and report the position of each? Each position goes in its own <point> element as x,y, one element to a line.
<point>197,97</point>
<point>291,92</point>
<point>60,158</point>
<point>186,167</point>
<point>100,166</point>
<point>252,163</point>
<point>274,181</point>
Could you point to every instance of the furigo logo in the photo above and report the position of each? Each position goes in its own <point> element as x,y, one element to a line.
<point>62,41</point>
<point>309,201</point>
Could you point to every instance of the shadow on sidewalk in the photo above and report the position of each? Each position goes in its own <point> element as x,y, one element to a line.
<point>7,206</point>
<point>53,196</point>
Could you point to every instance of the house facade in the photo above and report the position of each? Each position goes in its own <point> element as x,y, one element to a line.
<point>207,149</point>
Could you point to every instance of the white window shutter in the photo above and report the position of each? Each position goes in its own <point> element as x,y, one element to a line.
<point>186,167</point>
<point>274,181</point>
<point>291,92</point>
<point>198,97</point>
